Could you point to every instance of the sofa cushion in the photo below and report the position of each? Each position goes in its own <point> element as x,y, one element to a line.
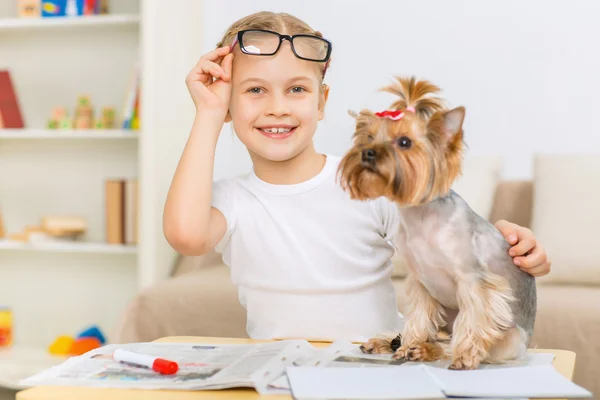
<point>566,215</point>
<point>478,182</point>
<point>186,264</point>
<point>513,202</point>
<point>568,319</point>
<point>201,303</point>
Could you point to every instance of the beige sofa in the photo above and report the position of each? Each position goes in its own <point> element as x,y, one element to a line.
<point>200,300</point>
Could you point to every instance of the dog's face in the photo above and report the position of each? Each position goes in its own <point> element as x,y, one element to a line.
<point>411,160</point>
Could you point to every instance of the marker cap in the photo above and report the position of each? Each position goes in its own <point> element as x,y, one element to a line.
<point>165,366</point>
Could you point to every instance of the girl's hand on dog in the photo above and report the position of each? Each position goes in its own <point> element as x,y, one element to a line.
<point>526,251</point>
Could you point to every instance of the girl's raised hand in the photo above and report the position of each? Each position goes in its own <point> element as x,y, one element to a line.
<point>209,82</point>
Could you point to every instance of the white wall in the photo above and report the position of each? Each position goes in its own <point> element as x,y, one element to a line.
<point>527,71</point>
<point>169,44</point>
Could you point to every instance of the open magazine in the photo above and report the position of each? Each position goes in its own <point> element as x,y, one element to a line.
<point>260,366</point>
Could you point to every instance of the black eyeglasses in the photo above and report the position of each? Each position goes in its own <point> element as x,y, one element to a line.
<point>260,42</point>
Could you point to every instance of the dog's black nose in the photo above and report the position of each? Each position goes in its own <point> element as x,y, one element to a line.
<point>368,155</point>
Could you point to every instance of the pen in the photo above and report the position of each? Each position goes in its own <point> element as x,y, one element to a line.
<point>157,364</point>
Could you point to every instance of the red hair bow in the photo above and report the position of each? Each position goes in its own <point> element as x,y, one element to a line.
<point>394,115</point>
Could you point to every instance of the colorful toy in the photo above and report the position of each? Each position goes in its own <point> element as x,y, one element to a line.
<point>88,339</point>
<point>54,8</point>
<point>107,119</point>
<point>61,345</point>
<point>92,332</point>
<point>83,345</point>
<point>5,326</point>
<point>84,113</point>
<point>60,119</point>
<point>71,8</point>
<point>29,8</point>
<point>83,117</point>
<point>64,8</point>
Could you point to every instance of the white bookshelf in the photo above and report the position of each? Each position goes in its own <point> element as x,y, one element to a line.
<point>68,134</point>
<point>58,288</point>
<point>104,21</point>
<point>53,172</point>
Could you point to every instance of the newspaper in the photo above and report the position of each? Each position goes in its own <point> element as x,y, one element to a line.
<point>201,366</point>
<point>260,366</point>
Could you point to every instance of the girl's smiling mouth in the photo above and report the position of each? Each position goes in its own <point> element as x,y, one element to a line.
<point>277,131</point>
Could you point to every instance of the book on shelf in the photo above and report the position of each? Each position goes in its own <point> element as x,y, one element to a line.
<point>2,231</point>
<point>60,8</point>
<point>121,209</point>
<point>131,108</point>
<point>10,112</point>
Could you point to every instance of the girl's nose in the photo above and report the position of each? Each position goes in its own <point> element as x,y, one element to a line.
<point>278,107</point>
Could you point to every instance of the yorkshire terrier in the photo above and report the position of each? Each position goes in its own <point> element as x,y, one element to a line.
<point>461,279</point>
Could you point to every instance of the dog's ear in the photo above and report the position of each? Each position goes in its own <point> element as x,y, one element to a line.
<point>448,124</point>
<point>353,114</point>
<point>453,121</point>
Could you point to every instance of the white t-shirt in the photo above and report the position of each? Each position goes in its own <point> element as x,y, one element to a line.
<point>308,261</point>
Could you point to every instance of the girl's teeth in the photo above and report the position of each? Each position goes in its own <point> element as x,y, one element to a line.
<point>276,130</point>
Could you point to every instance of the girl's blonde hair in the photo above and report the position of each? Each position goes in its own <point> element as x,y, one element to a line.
<point>277,22</point>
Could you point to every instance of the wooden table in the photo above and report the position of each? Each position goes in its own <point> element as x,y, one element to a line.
<point>564,363</point>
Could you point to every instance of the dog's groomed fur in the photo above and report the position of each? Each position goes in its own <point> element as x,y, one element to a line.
<point>461,277</point>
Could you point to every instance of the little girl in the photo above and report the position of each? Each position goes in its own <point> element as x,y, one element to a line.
<point>308,261</point>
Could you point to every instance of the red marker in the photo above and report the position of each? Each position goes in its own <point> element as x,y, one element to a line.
<point>159,365</point>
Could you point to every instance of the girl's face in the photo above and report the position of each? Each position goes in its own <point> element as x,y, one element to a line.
<point>276,102</point>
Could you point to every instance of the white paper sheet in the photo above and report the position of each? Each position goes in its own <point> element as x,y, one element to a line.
<point>310,383</point>
<point>530,381</point>
<point>426,382</point>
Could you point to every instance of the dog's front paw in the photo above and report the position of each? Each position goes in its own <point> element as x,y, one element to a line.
<point>402,353</point>
<point>399,354</point>
<point>465,363</point>
<point>377,346</point>
<point>420,352</point>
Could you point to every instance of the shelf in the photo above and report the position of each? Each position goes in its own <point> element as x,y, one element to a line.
<point>68,134</point>
<point>67,22</point>
<point>68,247</point>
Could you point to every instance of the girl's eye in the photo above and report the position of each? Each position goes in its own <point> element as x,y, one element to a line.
<point>255,90</point>
<point>298,89</point>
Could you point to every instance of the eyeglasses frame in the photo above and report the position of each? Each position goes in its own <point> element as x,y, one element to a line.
<point>290,38</point>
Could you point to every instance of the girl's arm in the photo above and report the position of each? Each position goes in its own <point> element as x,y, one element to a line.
<point>190,224</point>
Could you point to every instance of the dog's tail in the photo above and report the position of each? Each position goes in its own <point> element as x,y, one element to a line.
<point>417,94</point>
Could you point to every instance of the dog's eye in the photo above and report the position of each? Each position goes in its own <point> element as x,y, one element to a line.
<point>404,142</point>
<point>370,138</point>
